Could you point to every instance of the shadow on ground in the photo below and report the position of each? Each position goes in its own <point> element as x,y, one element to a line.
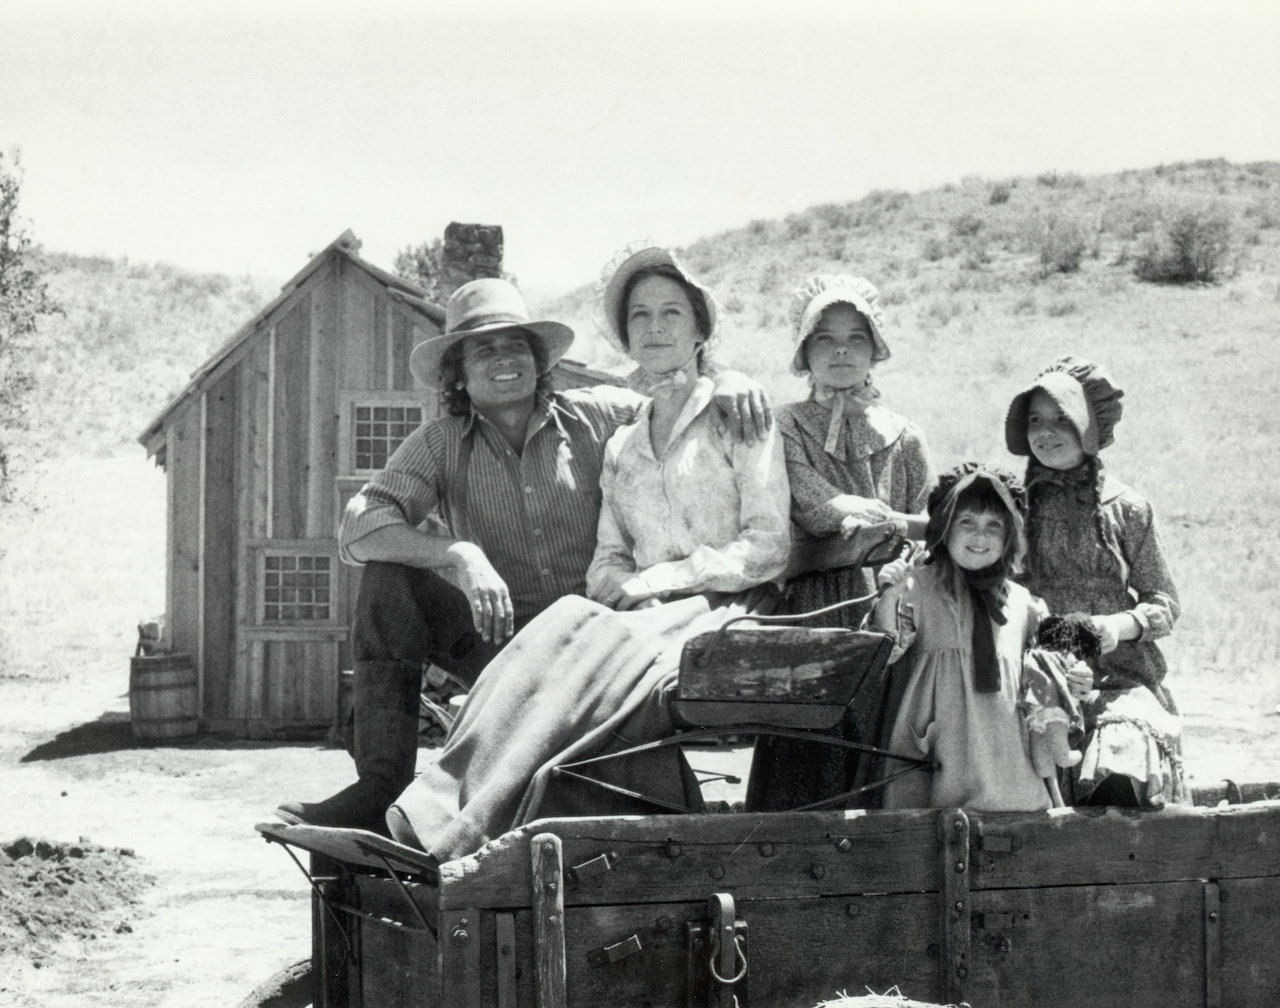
<point>113,732</point>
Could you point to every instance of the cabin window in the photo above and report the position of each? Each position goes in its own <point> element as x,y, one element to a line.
<point>379,431</point>
<point>296,588</point>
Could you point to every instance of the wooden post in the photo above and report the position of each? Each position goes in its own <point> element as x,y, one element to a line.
<point>460,958</point>
<point>953,894</point>
<point>1212,946</point>
<point>504,928</point>
<point>547,857</point>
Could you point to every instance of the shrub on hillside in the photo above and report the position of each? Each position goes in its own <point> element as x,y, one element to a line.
<point>1000,193</point>
<point>966,225</point>
<point>1060,243</point>
<point>1060,180</point>
<point>1192,244</point>
<point>935,249</point>
<point>834,215</point>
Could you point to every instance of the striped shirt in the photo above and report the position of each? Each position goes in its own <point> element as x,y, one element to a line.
<point>533,514</point>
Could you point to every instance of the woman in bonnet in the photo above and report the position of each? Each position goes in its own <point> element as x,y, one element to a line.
<point>1093,548</point>
<point>858,472</point>
<point>693,530</point>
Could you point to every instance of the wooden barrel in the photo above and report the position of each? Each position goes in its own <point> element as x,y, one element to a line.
<point>163,697</point>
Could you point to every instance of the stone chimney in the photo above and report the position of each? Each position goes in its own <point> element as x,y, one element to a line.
<point>471,251</point>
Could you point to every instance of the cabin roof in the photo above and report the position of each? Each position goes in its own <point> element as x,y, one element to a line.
<point>346,245</point>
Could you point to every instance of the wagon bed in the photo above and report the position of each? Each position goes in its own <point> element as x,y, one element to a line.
<point>1081,907</point>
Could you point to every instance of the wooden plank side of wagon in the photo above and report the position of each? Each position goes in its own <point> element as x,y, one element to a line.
<point>665,858</point>
<point>1125,846</point>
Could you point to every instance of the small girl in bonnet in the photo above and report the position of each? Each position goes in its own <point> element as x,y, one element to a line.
<point>962,629</point>
<point>858,471</point>
<point>1093,547</point>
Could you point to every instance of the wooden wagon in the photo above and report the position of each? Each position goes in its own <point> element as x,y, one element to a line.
<point>1079,907</point>
<point>1071,907</point>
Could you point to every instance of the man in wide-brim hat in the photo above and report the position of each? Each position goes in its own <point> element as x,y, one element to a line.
<point>501,496</point>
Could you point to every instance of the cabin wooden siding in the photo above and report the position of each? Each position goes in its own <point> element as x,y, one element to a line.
<point>260,456</point>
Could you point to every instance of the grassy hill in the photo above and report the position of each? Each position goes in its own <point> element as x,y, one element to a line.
<point>977,303</point>
<point>128,338</point>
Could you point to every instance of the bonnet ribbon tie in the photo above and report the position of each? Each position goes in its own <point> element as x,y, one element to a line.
<point>658,386</point>
<point>986,593</point>
<point>851,401</point>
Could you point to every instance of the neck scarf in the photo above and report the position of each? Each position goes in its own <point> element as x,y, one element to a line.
<point>986,592</point>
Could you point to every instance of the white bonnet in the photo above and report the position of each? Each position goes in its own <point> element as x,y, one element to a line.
<point>819,293</point>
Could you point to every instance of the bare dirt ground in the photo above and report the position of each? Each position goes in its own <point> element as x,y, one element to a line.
<point>223,910</point>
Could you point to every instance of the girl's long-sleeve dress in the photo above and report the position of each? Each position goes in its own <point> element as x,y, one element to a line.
<point>1094,548</point>
<point>879,455</point>
<point>707,515</point>
<point>979,740</point>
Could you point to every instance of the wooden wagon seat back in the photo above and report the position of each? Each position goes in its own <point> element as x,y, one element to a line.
<point>769,680</point>
<point>774,674</point>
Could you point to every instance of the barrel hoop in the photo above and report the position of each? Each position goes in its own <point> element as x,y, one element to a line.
<point>187,719</point>
<point>162,688</point>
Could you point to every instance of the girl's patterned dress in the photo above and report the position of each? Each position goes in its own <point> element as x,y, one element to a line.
<point>880,455</point>
<point>1094,548</point>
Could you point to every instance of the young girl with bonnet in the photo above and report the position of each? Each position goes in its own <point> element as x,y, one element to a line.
<point>852,462</point>
<point>858,471</point>
<point>1093,547</point>
<point>962,625</point>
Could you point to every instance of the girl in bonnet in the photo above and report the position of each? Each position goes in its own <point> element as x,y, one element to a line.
<point>962,627</point>
<point>855,466</point>
<point>1093,547</point>
<point>859,472</point>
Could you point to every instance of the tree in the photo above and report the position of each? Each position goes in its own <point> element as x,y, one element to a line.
<point>422,265</point>
<point>24,298</point>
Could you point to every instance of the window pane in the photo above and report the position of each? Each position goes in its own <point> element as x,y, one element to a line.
<point>378,431</point>
<point>296,587</point>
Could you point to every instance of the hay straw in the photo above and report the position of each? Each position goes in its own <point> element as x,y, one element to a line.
<point>892,998</point>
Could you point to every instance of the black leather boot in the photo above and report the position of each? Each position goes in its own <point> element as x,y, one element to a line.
<point>385,705</point>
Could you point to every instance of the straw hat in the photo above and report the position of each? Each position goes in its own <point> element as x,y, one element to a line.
<point>485,306</point>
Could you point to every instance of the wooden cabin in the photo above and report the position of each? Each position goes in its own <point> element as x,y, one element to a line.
<point>262,451</point>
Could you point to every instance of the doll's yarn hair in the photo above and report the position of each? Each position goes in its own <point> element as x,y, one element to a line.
<point>1074,632</point>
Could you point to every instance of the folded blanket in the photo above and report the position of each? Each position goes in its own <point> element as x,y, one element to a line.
<point>580,680</point>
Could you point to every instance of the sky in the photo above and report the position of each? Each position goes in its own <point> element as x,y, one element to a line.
<point>241,137</point>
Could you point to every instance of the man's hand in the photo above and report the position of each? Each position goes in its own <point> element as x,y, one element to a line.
<point>743,405</point>
<point>486,592</point>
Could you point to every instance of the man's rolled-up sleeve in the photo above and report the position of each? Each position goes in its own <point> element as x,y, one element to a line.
<point>406,492</point>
